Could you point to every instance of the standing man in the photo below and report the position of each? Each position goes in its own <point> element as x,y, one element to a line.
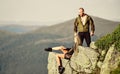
<point>84,27</point>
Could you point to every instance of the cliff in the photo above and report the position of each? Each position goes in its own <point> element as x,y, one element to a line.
<point>111,61</point>
<point>83,61</point>
<point>86,61</point>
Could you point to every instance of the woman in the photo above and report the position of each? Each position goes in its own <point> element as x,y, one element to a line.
<point>67,53</point>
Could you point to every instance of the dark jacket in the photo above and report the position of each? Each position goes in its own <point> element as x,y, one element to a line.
<point>79,27</point>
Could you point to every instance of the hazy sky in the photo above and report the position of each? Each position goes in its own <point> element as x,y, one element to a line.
<point>55,11</point>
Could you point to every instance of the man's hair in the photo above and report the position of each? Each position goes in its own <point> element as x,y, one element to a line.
<point>81,8</point>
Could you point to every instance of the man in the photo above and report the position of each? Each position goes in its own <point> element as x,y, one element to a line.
<point>82,26</point>
<point>67,53</point>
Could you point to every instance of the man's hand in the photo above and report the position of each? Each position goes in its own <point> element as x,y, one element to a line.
<point>91,33</point>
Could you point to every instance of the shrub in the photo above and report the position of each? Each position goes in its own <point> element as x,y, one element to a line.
<point>106,41</point>
<point>116,71</point>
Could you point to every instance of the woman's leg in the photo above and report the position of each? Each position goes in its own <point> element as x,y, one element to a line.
<point>62,48</point>
<point>59,56</point>
<point>59,63</point>
<point>58,59</point>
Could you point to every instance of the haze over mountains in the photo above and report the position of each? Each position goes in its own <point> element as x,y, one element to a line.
<point>18,28</point>
<point>24,53</point>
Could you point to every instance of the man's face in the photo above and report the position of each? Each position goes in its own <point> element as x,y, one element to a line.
<point>81,12</point>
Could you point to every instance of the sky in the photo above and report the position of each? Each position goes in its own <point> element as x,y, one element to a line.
<point>47,12</point>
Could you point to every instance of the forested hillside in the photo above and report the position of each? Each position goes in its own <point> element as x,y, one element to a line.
<point>24,53</point>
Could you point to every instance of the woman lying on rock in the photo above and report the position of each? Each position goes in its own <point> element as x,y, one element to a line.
<point>67,53</point>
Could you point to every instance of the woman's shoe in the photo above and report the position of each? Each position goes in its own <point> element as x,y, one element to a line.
<point>48,49</point>
<point>61,69</point>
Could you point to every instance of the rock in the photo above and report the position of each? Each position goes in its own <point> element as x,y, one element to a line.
<point>52,66</point>
<point>99,64</point>
<point>84,62</point>
<point>111,61</point>
<point>103,52</point>
<point>92,45</point>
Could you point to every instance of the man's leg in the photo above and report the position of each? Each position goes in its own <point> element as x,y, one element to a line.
<point>81,38</point>
<point>87,38</point>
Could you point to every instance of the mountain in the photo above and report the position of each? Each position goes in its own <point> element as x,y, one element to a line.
<point>24,53</point>
<point>65,29</point>
<point>17,28</point>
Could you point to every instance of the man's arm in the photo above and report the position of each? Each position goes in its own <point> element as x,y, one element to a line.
<point>92,26</point>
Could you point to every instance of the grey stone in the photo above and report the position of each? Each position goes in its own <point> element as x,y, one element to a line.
<point>84,62</point>
<point>111,61</point>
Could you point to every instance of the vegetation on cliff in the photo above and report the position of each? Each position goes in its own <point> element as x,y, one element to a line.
<point>117,70</point>
<point>106,41</point>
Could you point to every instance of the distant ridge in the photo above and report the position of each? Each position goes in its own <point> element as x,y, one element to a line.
<point>18,28</point>
<point>102,27</point>
<point>24,53</point>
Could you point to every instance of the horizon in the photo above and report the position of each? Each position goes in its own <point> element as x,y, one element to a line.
<point>37,23</point>
<point>23,28</point>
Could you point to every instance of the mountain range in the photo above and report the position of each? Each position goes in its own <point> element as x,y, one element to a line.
<point>24,53</point>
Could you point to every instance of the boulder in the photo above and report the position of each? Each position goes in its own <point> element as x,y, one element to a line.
<point>82,62</point>
<point>111,61</point>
